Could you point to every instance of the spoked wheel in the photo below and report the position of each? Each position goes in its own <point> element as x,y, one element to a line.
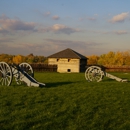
<point>5,74</point>
<point>27,68</point>
<point>94,73</point>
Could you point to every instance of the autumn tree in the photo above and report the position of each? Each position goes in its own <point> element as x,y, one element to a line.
<point>6,58</point>
<point>18,59</point>
<point>30,58</point>
<point>126,56</point>
<point>115,58</point>
<point>101,60</point>
<point>119,59</point>
<point>92,60</point>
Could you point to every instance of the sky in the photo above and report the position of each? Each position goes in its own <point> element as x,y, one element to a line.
<point>44,27</point>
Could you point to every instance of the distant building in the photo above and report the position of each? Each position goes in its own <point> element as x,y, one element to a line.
<point>68,60</point>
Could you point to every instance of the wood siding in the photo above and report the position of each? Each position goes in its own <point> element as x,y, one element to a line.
<point>65,65</point>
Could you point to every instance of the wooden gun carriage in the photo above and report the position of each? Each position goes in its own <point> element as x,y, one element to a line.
<point>97,73</point>
<point>21,73</point>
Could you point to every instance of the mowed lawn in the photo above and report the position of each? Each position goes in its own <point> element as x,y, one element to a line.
<point>67,102</point>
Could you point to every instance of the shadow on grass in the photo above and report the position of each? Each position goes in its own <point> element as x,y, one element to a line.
<point>47,85</point>
<point>113,80</point>
<point>56,84</point>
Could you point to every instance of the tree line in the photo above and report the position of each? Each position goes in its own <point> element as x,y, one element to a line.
<point>20,58</point>
<point>111,58</point>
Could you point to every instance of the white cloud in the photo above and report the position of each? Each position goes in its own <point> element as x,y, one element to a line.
<point>119,18</point>
<point>59,28</point>
<point>9,25</point>
<point>56,17</point>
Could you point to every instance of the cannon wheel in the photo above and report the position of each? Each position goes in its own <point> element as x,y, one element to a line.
<point>27,68</point>
<point>94,73</point>
<point>6,75</point>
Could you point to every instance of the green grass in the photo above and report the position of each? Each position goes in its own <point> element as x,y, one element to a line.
<point>67,102</point>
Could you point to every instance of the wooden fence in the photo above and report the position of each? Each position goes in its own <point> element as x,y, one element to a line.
<point>53,68</point>
<point>117,68</point>
<point>44,67</point>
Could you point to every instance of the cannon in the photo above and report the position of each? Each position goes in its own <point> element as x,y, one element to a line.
<point>97,73</point>
<point>20,73</point>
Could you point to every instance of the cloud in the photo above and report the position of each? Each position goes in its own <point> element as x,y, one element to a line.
<point>55,17</point>
<point>2,40</point>
<point>119,18</point>
<point>79,46</point>
<point>43,14</point>
<point>89,18</point>
<point>46,47</point>
<point>59,28</point>
<point>92,19</point>
<point>118,32</point>
<point>3,31</point>
<point>121,32</point>
<point>81,19</point>
<point>47,13</point>
<point>9,25</point>
<point>22,48</point>
<point>71,43</point>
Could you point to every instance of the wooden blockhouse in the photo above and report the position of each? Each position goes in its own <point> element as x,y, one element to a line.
<point>68,60</point>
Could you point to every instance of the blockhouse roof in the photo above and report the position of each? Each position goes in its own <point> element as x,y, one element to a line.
<point>67,53</point>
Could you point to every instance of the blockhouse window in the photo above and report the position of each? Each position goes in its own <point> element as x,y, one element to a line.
<point>69,70</point>
<point>57,60</point>
<point>68,60</point>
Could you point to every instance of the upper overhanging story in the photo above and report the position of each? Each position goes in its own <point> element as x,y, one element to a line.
<point>68,60</point>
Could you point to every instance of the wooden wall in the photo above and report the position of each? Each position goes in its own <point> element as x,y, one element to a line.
<point>65,65</point>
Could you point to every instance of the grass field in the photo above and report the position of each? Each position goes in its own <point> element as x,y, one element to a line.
<point>68,102</point>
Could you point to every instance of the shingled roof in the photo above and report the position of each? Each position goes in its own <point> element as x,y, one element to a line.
<point>67,53</point>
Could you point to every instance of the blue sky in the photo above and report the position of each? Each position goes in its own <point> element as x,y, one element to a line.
<point>44,27</point>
